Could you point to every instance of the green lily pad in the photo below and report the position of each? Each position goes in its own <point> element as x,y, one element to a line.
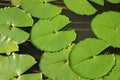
<point>114,1</point>
<point>45,34</point>
<point>16,3</point>
<point>107,27</point>
<point>34,76</point>
<point>86,62</point>
<point>39,9</point>
<point>56,65</point>
<point>47,0</point>
<point>15,17</point>
<point>7,45</point>
<point>14,65</point>
<point>82,7</point>
<point>100,2</point>
<point>14,33</point>
<point>115,73</point>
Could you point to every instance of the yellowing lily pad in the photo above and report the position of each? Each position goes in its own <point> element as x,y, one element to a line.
<point>14,65</point>
<point>86,62</point>
<point>107,27</point>
<point>56,65</point>
<point>15,17</point>
<point>7,45</point>
<point>45,34</point>
<point>40,8</point>
<point>82,7</point>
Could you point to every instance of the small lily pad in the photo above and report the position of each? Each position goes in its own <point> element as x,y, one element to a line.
<point>16,3</point>
<point>82,7</point>
<point>100,2</point>
<point>45,34</point>
<point>115,73</point>
<point>40,8</point>
<point>15,17</point>
<point>14,33</point>
<point>107,27</point>
<point>114,1</point>
<point>14,65</point>
<point>7,45</point>
<point>56,65</point>
<point>86,62</point>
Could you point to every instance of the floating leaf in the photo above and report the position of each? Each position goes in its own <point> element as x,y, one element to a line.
<point>44,34</point>
<point>82,7</point>
<point>15,17</point>
<point>107,27</point>
<point>14,65</point>
<point>115,73</point>
<point>100,2</point>
<point>85,62</point>
<point>114,1</point>
<point>56,65</point>
<point>16,2</point>
<point>35,76</point>
<point>39,9</point>
<point>14,33</point>
<point>47,0</point>
<point>7,45</point>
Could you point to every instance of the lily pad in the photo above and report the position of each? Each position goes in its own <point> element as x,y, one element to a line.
<point>114,1</point>
<point>14,33</point>
<point>34,76</point>
<point>82,7</point>
<point>16,3</point>
<point>100,2</point>
<point>15,17</point>
<point>40,9</point>
<point>86,62</point>
<point>107,27</point>
<point>45,34</point>
<point>7,45</point>
<point>14,65</point>
<point>115,73</point>
<point>56,65</point>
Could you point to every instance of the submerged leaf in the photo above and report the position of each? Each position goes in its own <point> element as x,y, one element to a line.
<point>85,62</point>
<point>7,45</point>
<point>56,65</point>
<point>39,9</point>
<point>107,27</point>
<point>45,34</point>
<point>15,17</point>
<point>114,1</point>
<point>14,65</point>
<point>115,73</point>
<point>100,2</point>
<point>82,7</point>
<point>14,33</point>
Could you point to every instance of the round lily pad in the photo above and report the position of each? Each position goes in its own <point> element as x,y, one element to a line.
<point>100,2</point>
<point>15,17</point>
<point>86,62</point>
<point>114,1</point>
<point>14,33</point>
<point>14,65</point>
<point>40,8</point>
<point>56,65</point>
<point>45,34</point>
<point>7,45</point>
<point>115,72</point>
<point>82,7</point>
<point>107,27</point>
